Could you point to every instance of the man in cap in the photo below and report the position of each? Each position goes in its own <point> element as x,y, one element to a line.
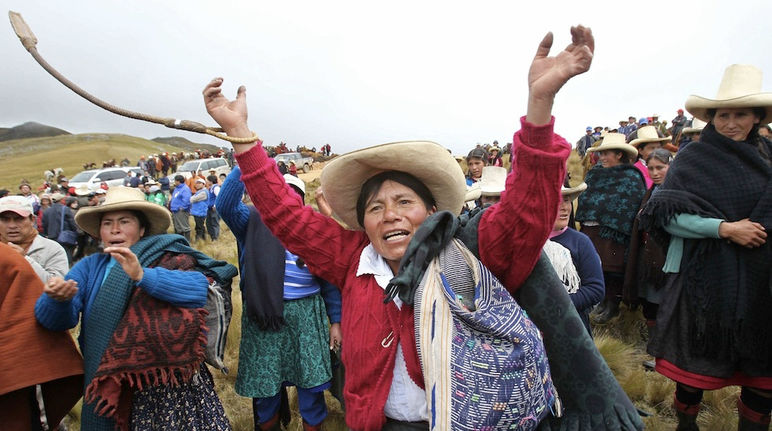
<point>198,207</point>
<point>18,229</point>
<point>678,124</point>
<point>26,190</point>
<point>180,207</point>
<point>585,142</point>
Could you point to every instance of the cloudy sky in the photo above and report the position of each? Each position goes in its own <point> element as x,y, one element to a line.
<point>359,73</point>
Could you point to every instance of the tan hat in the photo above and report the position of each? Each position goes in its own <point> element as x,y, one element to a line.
<point>616,141</point>
<point>647,134</point>
<point>472,192</point>
<point>297,182</point>
<point>17,204</point>
<point>740,88</point>
<point>124,199</point>
<point>493,181</point>
<point>82,190</point>
<point>343,177</point>
<point>697,126</point>
<point>573,192</point>
<point>56,197</point>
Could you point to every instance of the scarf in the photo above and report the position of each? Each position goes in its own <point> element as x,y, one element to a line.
<point>563,264</point>
<point>612,199</point>
<point>262,274</point>
<point>591,394</point>
<point>728,286</point>
<point>116,312</point>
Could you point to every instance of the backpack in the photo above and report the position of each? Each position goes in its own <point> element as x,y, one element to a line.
<point>219,309</point>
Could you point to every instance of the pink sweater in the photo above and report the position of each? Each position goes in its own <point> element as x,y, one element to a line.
<point>511,236</point>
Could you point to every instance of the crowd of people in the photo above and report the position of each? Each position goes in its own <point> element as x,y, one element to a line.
<point>465,293</point>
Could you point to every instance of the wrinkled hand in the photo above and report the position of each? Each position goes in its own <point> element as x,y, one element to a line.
<point>321,202</point>
<point>743,232</point>
<point>60,289</point>
<point>17,248</point>
<point>336,337</point>
<point>548,74</point>
<point>231,115</point>
<point>128,261</point>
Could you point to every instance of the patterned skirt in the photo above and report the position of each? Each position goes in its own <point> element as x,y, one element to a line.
<point>298,353</point>
<point>192,406</point>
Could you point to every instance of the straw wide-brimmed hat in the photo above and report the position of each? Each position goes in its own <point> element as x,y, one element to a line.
<point>124,199</point>
<point>648,134</point>
<point>696,127</point>
<point>573,192</point>
<point>83,190</point>
<point>616,141</point>
<point>343,177</point>
<point>740,88</point>
<point>493,181</point>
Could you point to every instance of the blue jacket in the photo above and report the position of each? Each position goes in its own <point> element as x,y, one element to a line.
<point>212,195</point>
<point>198,209</point>
<point>180,198</point>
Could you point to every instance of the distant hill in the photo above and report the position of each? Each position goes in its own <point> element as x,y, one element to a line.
<point>30,129</point>
<point>28,158</point>
<point>186,145</point>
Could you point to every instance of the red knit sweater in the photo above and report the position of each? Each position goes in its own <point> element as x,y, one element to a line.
<point>511,236</point>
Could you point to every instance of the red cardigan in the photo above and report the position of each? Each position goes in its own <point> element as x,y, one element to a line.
<point>511,236</point>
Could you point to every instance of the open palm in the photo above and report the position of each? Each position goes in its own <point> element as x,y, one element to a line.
<point>548,74</point>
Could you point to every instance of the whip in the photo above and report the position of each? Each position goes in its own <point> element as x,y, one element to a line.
<point>29,41</point>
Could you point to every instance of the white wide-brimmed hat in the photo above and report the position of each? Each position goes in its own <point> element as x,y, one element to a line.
<point>573,192</point>
<point>647,134</point>
<point>696,127</point>
<point>493,181</point>
<point>616,141</point>
<point>124,199</point>
<point>297,182</point>
<point>343,177</point>
<point>740,88</point>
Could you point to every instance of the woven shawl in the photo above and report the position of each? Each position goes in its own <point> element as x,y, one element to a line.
<point>589,391</point>
<point>728,286</point>
<point>112,299</point>
<point>612,199</point>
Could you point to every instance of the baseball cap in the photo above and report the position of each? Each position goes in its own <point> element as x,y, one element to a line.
<point>18,204</point>
<point>201,180</point>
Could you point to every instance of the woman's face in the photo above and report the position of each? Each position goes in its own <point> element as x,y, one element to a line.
<point>564,213</point>
<point>475,166</point>
<point>735,123</point>
<point>609,159</point>
<point>120,229</point>
<point>391,218</point>
<point>648,148</point>
<point>657,170</point>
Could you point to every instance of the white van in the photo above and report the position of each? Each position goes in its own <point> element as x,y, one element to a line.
<point>187,169</point>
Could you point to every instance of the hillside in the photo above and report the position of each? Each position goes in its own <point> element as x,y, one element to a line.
<point>28,158</point>
<point>186,145</point>
<point>30,129</point>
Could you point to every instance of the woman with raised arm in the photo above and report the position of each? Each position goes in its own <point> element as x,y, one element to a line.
<point>387,197</point>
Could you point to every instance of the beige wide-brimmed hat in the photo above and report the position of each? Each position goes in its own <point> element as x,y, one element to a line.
<point>493,181</point>
<point>124,199</point>
<point>616,141</point>
<point>343,177</point>
<point>696,127</point>
<point>573,192</point>
<point>648,134</point>
<point>740,88</point>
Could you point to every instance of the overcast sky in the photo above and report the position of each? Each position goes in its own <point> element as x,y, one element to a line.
<point>361,73</point>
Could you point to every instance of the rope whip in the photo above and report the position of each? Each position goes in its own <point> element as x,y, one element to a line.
<point>29,41</point>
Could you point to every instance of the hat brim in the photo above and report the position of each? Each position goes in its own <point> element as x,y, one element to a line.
<point>573,192</point>
<point>699,106</point>
<point>636,142</point>
<point>629,149</point>
<point>89,218</point>
<point>429,162</point>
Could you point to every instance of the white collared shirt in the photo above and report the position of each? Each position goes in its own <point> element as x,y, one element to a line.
<point>406,401</point>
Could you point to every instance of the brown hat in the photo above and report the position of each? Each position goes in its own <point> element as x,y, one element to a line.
<point>124,199</point>
<point>429,162</point>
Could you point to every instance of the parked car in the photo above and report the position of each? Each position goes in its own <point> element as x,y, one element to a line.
<point>93,178</point>
<point>301,162</point>
<point>218,164</point>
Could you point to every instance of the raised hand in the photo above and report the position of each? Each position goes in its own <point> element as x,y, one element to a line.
<point>231,115</point>
<point>128,261</point>
<point>548,74</point>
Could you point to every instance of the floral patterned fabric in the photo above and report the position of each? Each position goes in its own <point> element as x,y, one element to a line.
<point>192,406</point>
<point>298,353</point>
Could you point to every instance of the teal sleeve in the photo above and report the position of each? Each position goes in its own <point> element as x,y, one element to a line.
<point>687,226</point>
